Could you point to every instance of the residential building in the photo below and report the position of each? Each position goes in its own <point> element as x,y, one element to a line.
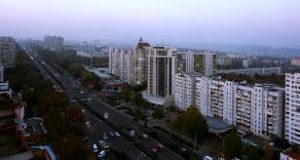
<point>1,73</point>
<point>289,154</point>
<point>4,85</point>
<point>138,63</point>
<point>242,107</point>
<point>295,61</point>
<point>54,43</point>
<point>247,62</point>
<point>292,108</point>
<point>266,110</point>
<point>253,71</point>
<point>8,51</point>
<point>202,95</point>
<point>184,90</point>
<point>181,62</point>
<point>253,109</point>
<point>203,63</point>
<point>119,63</point>
<point>161,70</point>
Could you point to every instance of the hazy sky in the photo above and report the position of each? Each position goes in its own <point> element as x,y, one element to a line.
<point>253,22</point>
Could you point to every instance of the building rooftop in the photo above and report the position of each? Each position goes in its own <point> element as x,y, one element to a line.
<point>156,100</point>
<point>101,72</point>
<point>35,126</point>
<point>293,154</point>
<point>217,126</point>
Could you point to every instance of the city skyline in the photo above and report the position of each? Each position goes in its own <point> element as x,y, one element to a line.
<point>187,24</point>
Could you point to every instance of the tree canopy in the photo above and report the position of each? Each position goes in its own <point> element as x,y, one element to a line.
<point>191,123</point>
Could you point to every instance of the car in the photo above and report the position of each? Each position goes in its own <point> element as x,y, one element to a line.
<point>95,148</point>
<point>85,139</point>
<point>102,154</point>
<point>145,136</point>
<point>207,158</point>
<point>157,148</point>
<point>105,135</point>
<point>104,145</point>
<point>117,134</point>
<point>111,133</point>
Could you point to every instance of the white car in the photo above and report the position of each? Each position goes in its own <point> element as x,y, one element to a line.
<point>95,148</point>
<point>102,154</point>
<point>117,134</point>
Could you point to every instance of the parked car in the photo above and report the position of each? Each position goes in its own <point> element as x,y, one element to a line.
<point>105,135</point>
<point>95,148</point>
<point>157,148</point>
<point>111,133</point>
<point>117,134</point>
<point>104,146</point>
<point>102,154</point>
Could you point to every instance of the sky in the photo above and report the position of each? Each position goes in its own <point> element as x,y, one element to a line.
<point>179,22</point>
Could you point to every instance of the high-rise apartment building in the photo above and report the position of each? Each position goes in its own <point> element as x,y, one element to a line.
<point>1,73</point>
<point>7,51</point>
<point>292,108</point>
<point>138,63</point>
<point>184,90</point>
<point>253,109</point>
<point>119,63</point>
<point>181,61</point>
<point>204,63</point>
<point>54,43</point>
<point>161,70</point>
<point>214,97</point>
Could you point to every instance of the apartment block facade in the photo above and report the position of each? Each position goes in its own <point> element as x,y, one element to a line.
<point>119,63</point>
<point>253,109</point>
<point>54,43</point>
<point>184,90</point>
<point>292,110</point>
<point>161,71</point>
<point>8,52</point>
<point>138,63</point>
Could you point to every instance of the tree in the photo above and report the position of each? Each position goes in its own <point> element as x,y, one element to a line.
<point>268,150</point>
<point>253,154</point>
<point>126,94</point>
<point>192,124</point>
<point>233,144</point>
<point>158,113</point>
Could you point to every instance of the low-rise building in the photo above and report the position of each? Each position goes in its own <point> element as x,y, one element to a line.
<point>253,71</point>
<point>289,154</point>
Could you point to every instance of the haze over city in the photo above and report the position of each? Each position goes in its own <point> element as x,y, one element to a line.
<point>149,80</point>
<point>177,22</point>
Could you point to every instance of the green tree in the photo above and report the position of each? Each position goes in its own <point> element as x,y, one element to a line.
<point>233,144</point>
<point>253,154</point>
<point>127,94</point>
<point>268,150</point>
<point>158,113</point>
<point>192,124</point>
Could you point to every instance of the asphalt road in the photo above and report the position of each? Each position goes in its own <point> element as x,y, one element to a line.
<point>96,127</point>
<point>115,117</point>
